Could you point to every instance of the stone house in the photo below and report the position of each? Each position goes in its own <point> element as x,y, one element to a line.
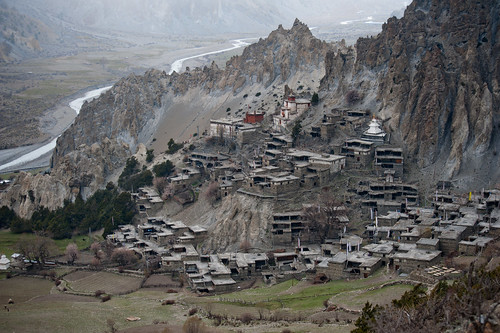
<point>473,245</point>
<point>408,261</point>
<point>389,158</point>
<point>225,127</point>
<point>348,265</point>
<point>287,227</point>
<point>359,153</point>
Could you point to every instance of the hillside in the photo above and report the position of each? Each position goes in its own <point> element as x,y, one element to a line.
<point>21,35</point>
<point>155,107</point>
<point>432,76</point>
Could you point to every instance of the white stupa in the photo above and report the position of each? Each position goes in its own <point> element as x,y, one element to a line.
<point>374,133</point>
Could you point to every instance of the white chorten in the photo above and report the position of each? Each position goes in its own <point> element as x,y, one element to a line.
<point>374,133</point>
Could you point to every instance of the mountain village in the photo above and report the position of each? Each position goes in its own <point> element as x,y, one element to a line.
<point>398,233</point>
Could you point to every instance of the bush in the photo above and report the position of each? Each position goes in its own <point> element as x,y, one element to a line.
<point>168,302</point>
<point>246,318</point>
<point>173,147</point>
<point>315,99</point>
<point>192,311</point>
<point>105,298</point>
<point>99,292</point>
<point>163,169</point>
<point>257,94</point>
<point>150,155</point>
<point>194,325</point>
<point>352,97</point>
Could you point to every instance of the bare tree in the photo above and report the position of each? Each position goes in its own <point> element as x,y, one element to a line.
<point>327,218</point>
<point>96,262</point>
<point>212,193</point>
<point>96,250</point>
<point>72,253</point>
<point>194,325</point>
<point>37,249</point>
<point>468,305</point>
<point>123,256</point>
<point>160,183</point>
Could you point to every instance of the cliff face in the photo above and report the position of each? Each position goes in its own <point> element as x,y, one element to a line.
<point>433,76</point>
<point>131,110</point>
<point>110,128</point>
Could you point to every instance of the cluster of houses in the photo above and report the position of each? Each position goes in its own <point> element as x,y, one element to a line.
<point>399,235</point>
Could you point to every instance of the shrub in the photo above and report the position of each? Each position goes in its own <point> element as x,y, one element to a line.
<point>168,302</point>
<point>172,291</point>
<point>192,311</point>
<point>246,318</point>
<point>163,169</point>
<point>173,147</point>
<point>315,99</point>
<point>99,292</point>
<point>352,97</point>
<point>105,298</point>
<point>150,155</point>
<point>325,303</point>
<point>257,94</point>
<point>194,325</point>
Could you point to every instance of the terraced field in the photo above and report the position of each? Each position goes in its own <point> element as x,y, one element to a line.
<point>114,284</point>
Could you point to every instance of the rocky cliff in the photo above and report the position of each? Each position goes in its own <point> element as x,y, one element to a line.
<point>433,77</point>
<point>110,128</point>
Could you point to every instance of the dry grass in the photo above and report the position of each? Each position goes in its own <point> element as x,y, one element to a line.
<point>90,282</point>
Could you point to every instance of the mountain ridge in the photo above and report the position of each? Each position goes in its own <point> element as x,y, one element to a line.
<point>436,66</point>
<point>110,128</point>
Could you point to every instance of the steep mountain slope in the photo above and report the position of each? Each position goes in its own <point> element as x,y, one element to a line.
<point>110,128</point>
<point>21,35</point>
<point>433,76</point>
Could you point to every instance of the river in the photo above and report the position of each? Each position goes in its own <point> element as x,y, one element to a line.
<point>35,151</point>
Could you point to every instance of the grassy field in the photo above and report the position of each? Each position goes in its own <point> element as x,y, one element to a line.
<point>36,309</point>
<point>8,241</point>
<point>300,296</point>
<point>89,282</point>
<point>40,307</point>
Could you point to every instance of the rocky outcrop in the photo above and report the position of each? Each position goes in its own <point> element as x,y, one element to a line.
<point>109,129</point>
<point>131,110</point>
<point>241,219</point>
<point>433,76</point>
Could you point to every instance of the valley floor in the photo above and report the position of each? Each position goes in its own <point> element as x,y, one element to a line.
<point>294,305</point>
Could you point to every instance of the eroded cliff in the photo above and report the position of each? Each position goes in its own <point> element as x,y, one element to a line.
<point>433,77</point>
<point>109,129</point>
